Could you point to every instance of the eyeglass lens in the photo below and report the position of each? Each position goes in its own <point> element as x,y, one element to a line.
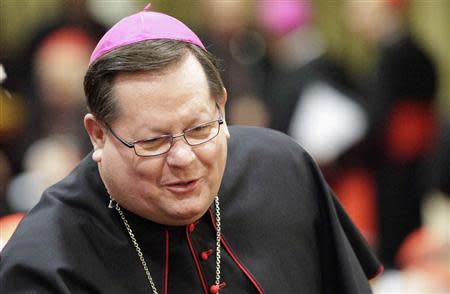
<point>193,136</point>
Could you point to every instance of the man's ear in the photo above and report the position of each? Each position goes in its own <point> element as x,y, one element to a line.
<point>222,102</point>
<point>96,134</point>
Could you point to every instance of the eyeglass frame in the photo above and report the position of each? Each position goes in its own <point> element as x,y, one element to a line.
<point>220,120</point>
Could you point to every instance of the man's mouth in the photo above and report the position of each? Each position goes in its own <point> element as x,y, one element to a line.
<point>182,186</point>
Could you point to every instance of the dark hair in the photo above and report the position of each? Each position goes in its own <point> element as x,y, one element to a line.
<point>151,55</point>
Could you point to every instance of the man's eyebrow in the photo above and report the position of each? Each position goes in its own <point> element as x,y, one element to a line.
<point>204,116</point>
<point>159,131</point>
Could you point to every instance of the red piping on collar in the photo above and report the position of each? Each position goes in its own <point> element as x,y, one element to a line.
<point>166,271</point>
<point>197,265</point>
<point>235,259</point>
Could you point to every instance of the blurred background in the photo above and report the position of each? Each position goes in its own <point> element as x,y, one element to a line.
<point>362,85</point>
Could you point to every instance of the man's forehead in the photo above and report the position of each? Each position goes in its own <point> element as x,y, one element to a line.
<point>176,86</point>
<point>185,67</point>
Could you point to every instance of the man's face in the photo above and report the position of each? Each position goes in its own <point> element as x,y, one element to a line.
<point>175,188</point>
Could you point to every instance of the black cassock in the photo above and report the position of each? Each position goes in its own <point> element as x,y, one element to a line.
<point>283,232</point>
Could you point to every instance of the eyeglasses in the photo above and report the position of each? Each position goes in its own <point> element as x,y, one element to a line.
<point>155,146</point>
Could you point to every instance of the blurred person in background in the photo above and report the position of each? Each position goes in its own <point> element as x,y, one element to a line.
<point>230,34</point>
<point>400,96</point>
<point>311,98</point>
<point>423,263</point>
<point>59,65</point>
<point>55,102</point>
<point>8,125</point>
<point>46,162</point>
<point>301,75</point>
<point>5,165</point>
<point>13,123</point>
<point>50,71</point>
<point>172,199</point>
<point>44,95</point>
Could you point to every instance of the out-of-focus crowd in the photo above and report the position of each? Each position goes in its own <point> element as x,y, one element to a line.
<point>381,135</point>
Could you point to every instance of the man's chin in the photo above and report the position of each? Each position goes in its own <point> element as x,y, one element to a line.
<point>186,217</point>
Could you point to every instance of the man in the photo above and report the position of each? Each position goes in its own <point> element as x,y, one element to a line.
<point>153,208</point>
<point>400,96</point>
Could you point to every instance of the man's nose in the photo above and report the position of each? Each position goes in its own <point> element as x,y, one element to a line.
<point>181,153</point>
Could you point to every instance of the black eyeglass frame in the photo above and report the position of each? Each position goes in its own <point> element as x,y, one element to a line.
<point>172,137</point>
